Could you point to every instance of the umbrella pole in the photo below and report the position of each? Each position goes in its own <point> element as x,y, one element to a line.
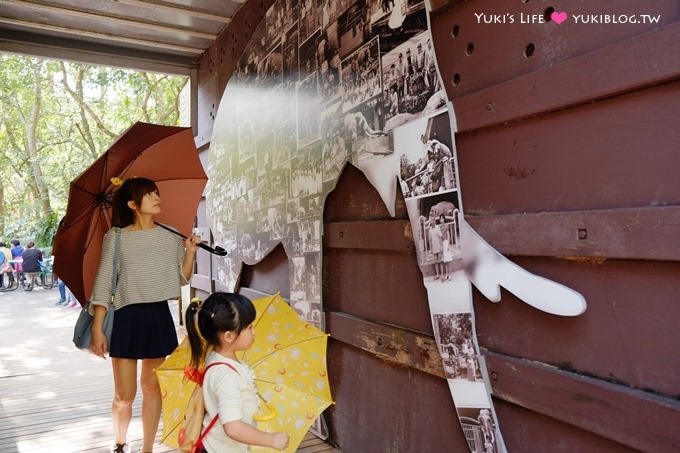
<point>219,251</point>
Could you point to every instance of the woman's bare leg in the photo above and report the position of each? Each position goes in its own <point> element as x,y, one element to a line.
<point>151,402</point>
<point>125,381</point>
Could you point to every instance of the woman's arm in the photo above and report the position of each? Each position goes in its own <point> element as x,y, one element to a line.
<point>190,247</point>
<point>99,344</point>
<point>249,435</point>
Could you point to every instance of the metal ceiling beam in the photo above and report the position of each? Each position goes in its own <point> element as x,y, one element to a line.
<point>112,38</point>
<point>94,53</point>
<point>109,18</point>
<point>178,9</point>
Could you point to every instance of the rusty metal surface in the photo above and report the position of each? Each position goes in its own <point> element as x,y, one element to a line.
<point>648,233</point>
<point>389,343</point>
<point>527,431</point>
<point>269,276</point>
<point>586,78</point>
<point>616,153</point>
<point>381,407</point>
<point>500,50</point>
<point>634,418</point>
<point>628,334</point>
<point>219,61</point>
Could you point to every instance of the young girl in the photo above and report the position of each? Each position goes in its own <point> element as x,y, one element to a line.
<point>225,320</point>
<point>152,265</point>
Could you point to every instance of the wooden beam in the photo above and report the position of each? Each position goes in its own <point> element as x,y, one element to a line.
<point>625,66</point>
<point>389,343</point>
<point>95,16</point>
<point>651,233</point>
<point>178,9</point>
<point>112,38</point>
<point>632,417</point>
<point>371,235</point>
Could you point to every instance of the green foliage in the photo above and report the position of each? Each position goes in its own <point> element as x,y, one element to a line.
<point>56,119</point>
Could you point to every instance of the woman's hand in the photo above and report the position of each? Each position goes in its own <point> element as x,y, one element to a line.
<point>99,346</point>
<point>191,243</point>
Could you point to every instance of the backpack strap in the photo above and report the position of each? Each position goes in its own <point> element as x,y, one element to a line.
<point>199,441</point>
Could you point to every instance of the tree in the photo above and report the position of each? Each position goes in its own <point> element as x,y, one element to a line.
<point>57,118</point>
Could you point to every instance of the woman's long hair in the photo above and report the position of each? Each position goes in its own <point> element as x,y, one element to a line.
<point>221,312</point>
<point>133,189</point>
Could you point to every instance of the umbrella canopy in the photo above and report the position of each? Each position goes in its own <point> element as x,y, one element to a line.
<point>165,154</point>
<point>289,360</point>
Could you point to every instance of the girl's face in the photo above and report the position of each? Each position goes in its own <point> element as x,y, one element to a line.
<point>151,204</point>
<point>245,339</point>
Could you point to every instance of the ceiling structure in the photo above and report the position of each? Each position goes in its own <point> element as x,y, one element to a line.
<point>162,35</point>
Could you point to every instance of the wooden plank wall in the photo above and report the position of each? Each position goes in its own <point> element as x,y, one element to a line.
<point>567,141</point>
<point>567,146</point>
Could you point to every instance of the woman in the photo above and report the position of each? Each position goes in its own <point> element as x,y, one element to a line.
<point>153,263</point>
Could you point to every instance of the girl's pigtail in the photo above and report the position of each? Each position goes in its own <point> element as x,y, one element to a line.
<point>196,342</point>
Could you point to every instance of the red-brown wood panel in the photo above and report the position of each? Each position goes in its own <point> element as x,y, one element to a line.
<point>616,153</point>
<point>382,407</point>
<point>383,402</point>
<point>630,325</point>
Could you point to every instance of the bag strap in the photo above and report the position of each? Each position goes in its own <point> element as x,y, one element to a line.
<point>199,441</point>
<point>116,259</point>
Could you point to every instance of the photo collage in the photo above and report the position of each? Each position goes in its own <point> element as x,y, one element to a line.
<point>323,83</point>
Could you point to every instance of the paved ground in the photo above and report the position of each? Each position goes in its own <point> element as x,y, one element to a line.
<point>54,398</point>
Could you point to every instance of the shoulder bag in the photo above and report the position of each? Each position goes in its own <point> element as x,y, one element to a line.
<point>82,332</point>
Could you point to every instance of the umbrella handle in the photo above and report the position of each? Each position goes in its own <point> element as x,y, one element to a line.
<point>271,415</point>
<point>219,251</point>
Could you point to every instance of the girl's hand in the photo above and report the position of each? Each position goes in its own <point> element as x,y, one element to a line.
<point>99,345</point>
<point>279,441</point>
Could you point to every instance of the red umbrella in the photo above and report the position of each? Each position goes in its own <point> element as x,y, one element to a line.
<point>167,155</point>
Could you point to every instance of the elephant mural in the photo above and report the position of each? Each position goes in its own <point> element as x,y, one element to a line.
<point>327,82</point>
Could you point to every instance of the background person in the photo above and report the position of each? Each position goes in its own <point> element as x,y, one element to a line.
<point>153,264</point>
<point>32,259</point>
<point>5,267</point>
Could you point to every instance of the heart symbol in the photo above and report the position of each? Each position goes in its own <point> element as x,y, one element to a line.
<point>559,16</point>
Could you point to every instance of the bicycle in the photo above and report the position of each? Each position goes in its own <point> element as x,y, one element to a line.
<point>10,282</point>
<point>45,277</point>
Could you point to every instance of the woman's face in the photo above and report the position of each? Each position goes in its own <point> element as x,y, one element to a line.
<point>151,204</point>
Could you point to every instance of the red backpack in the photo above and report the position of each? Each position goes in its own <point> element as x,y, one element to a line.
<point>191,433</point>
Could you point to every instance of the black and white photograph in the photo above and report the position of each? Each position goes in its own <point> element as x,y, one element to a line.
<point>313,267</point>
<point>352,31</point>
<point>456,346</point>
<point>306,178</point>
<point>308,111</point>
<point>292,207</point>
<point>247,139</point>
<point>436,232</point>
<point>310,18</point>
<point>426,156</point>
<point>284,143</point>
<point>307,55</point>
<point>479,429</point>
<point>290,51</point>
<point>270,69</point>
<point>407,79</point>
<point>328,63</point>
<point>361,79</point>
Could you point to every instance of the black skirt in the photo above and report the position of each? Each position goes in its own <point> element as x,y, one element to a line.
<point>143,331</point>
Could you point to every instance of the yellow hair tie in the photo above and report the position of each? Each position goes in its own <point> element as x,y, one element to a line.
<point>117,181</point>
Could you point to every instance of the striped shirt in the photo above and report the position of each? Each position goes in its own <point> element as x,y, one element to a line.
<point>150,268</point>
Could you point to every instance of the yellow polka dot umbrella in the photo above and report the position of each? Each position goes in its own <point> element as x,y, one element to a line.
<point>289,360</point>
<point>176,389</point>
